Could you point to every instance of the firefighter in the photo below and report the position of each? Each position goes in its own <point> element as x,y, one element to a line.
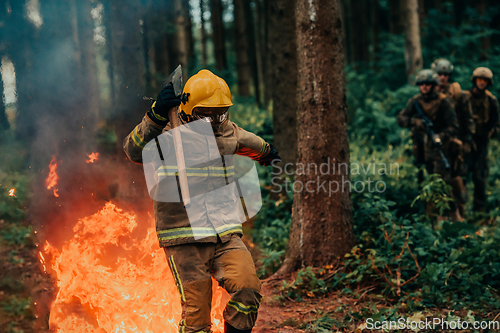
<point>221,254</point>
<point>439,109</point>
<point>486,117</point>
<point>461,145</point>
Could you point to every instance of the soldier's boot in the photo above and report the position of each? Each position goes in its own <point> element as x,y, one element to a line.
<point>230,329</point>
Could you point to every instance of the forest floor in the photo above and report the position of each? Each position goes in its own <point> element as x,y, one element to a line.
<point>23,280</point>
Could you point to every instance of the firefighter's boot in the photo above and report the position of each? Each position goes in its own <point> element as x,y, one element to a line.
<point>230,329</point>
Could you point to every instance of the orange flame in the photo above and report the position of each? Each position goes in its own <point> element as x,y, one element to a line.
<point>110,282</point>
<point>92,157</point>
<point>52,179</point>
<point>11,192</point>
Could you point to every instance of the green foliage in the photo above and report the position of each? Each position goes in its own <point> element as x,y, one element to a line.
<point>456,266</point>
<point>246,114</point>
<point>11,206</point>
<point>435,195</point>
<point>15,234</point>
<point>307,283</point>
<point>272,229</point>
<point>17,306</point>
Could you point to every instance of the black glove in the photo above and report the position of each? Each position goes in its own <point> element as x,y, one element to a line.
<point>269,157</point>
<point>165,100</point>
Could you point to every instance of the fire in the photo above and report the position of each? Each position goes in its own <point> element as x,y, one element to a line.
<point>111,282</point>
<point>52,179</point>
<point>92,157</point>
<point>11,192</point>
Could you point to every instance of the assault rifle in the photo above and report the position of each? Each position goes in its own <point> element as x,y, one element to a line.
<point>436,142</point>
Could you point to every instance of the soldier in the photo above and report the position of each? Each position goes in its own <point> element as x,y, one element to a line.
<point>439,109</point>
<point>461,145</point>
<point>486,115</point>
<point>220,253</point>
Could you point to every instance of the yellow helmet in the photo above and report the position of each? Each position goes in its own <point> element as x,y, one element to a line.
<point>205,89</point>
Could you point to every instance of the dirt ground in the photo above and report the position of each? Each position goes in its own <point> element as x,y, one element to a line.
<point>26,278</point>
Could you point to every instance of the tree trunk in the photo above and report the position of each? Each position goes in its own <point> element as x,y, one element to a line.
<point>345,33</point>
<point>88,68</point>
<point>19,42</point>
<point>481,7</point>
<point>188,30</point>
<point>421,16</point>
<point>259,46</point>
<point>107,22</point>
<point>4,122</point>
<point>321,230</point>
<point>396,8</point>
<point>128,67</point>
<point>359,24</point>
<point>413,51</point>
<point>252,48</point>
<point>375,24</point>
<point>282,37</point>
<point>242,64</point>
<point>266,50</point>
<point>181,41</point>
<point>218,35</point>
<point>203,35</point>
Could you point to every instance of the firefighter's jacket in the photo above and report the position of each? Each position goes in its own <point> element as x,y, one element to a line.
<point>214,218</point>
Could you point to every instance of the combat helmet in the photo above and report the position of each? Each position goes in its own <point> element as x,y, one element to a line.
<point>443,66</point>
<point>482,72</point>
<point>427,76</point>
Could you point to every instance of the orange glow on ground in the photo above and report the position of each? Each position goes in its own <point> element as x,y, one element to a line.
<point>92,157</point>
<point>109,281</point>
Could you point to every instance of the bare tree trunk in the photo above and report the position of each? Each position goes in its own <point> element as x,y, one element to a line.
<point>128,66</point>
<point>282,37</point>
<point>252,48</point>
<point>4,122</point>
<point>218,35</point>
<point>375,24</point>
<point>481,7</point>
<point>242,64</point>
<point>259,46</point>
<point>19,42</point>
<point>88,68</point>
<point>413,51</point>
<point>268,66</point>
<point>360,42</point>
<point>203,34</point>
<point>396,7</point>
<point>345,38</point>
<point>321,230</point>
<point>188,30</point>
<point>421,16</point>
<point>182,38</point>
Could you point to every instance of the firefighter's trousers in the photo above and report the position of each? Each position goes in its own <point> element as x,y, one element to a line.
<point>231,264</point>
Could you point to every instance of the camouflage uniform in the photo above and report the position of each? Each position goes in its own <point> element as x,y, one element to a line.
<point>486,116</point>
<point>460,146</point>
<point>439,109</point>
